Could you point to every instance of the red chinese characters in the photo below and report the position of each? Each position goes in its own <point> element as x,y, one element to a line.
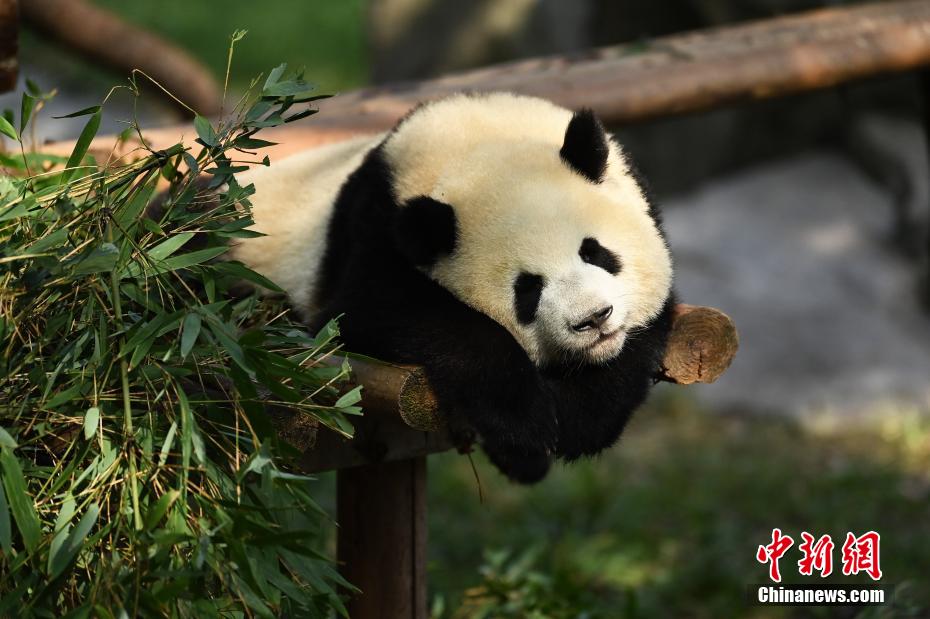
<point>773,552</point>
<point>860,554</point>
<point>817,555</point>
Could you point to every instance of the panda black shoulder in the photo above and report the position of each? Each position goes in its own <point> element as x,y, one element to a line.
<point>362,209</point>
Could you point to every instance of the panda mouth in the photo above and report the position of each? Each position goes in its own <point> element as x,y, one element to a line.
<point>604,338</point>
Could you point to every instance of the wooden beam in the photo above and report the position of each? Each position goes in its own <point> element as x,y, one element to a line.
<point>381,541</point>
<point>104,37</point>
<point>702,345</point>
<point>9,44</point>
<point>635,82</point>
<point>683,72</point>
<point>402,417</point>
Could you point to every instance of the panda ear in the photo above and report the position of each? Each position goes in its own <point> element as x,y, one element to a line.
<point>585,147</point>
<point>424,230</point>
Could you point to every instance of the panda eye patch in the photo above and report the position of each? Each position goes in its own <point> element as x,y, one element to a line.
<point>594,253</point>
<point>527,290</point>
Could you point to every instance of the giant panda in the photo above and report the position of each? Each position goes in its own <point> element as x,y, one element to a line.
<point>500,241</point>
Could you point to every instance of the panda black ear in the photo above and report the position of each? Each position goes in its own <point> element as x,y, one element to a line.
<point>585,146</point>
<point>425,230</point>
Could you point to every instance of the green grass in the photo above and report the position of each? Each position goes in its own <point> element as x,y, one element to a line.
<point>668,523</point>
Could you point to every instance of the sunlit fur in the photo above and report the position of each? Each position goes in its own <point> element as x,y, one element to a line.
<point>292,207</point>
<point>518,207</point>
<point>531,390</point>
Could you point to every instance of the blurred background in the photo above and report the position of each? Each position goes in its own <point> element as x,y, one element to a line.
<point>805,218</point>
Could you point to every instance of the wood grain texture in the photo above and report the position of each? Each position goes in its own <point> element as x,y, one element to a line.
<point>701,347</point>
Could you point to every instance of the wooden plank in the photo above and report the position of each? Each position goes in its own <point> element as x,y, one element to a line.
<point>381,545</point>
<point>9,44</point>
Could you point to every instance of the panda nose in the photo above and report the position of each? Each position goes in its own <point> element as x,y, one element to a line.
<point>593,321</point>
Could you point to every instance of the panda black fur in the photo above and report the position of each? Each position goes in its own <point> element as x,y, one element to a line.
<point>501,242</point>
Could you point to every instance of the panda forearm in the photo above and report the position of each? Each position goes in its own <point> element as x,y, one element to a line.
<point>594,404</point>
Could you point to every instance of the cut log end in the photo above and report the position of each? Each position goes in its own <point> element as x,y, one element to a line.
<point>702,344</point>
<point>417,402</point>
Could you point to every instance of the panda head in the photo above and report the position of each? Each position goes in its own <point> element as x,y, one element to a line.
<point>529,214</point>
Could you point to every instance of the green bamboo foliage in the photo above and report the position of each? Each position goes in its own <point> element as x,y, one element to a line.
<point>140,469</point>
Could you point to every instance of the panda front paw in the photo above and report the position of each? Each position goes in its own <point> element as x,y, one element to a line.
<point>519,442</point>
<point>588,433</point>
<point>519,464</point>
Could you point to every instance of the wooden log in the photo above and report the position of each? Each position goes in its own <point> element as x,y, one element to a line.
<point>9,44</point>
<point>684,72</point>
<point>635,82</point>
<point>402,419</point>
<point>381,542</point>
<point>104,37</point>
<point>702,345</point>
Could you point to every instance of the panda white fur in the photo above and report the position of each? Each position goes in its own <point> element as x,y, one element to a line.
<point>502,242</point>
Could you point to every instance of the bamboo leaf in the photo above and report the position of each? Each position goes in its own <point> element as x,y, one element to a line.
<point>6,440</point>
<point>205,130</point>
<point>156,512</point>
<point>169,246</point>
<point>193,258</point>
<point>169,442</point>
<point>7,129</point>
<point>6,531</point>
<point>348,399</point>
<point>189,332</point>
<point>274,75</point>
<point>237,269</point>
<point>21,503</point>
<point>81,146</point>
<point>91,421</point>
<point>26,107</point>
<point>101,260</point>
<point>228,341</point>
<point>87,110</point>
<point>62,528</point>
<point>72,544</point>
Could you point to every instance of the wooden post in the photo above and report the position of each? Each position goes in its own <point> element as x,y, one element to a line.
<point>924,252</point>
<point>381,511</point>
<point>9,44</point>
